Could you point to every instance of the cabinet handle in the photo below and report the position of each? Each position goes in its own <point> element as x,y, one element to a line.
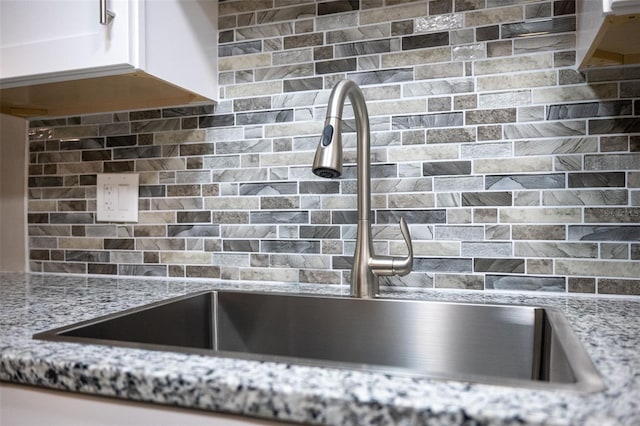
<point>106,16</point>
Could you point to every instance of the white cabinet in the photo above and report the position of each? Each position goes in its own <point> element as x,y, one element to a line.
<point>31,406</point>
<point>13,198</point>
<point>39,38</point>
<point>59,59</point>
<point>608,33</point>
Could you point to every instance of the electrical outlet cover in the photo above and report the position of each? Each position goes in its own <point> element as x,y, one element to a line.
<point>117,197</point>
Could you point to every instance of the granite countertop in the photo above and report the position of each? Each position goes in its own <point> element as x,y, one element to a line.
<point>609,329</point>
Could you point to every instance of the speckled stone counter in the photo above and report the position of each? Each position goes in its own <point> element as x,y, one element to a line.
<point>608,328</point>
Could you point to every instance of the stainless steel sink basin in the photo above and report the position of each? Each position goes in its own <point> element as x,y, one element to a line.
<point>496,344</point>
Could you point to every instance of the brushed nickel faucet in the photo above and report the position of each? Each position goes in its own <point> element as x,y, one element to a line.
<point>367,266</point>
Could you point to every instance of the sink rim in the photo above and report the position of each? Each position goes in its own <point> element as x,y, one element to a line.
<point>588,380</point>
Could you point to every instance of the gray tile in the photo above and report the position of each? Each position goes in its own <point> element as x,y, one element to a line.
<point>202,271</point>
<point>585,197</point>
<point>279,202</point>
<point>263,31</point>
<point>362,48</point>
<point>270,188</point>
<point>423,41</point>
<point>446,168</point>
<point>582,285</point>
<point>302,84</point>
<point>411,216</point>
<point>440,87</point>
<point>497,232</point>
<point>143,270</point>
<point>283,246</point>
<point>379,77</point>
<point>450,135</point>
<point>64,268</point>
<point>525,283</point>
<point>554,42</point>
<point>486,150</point>
<point>540,215</point>
<point>614,251</point>
<point>39,182</point>
<point>243,146</point>
<point>568,162</point>
<point>604,233</point>
<point>459,281</point>
<point>539,232</point>
<point>280,217</point>
<point>492,116</point>
<point>245,231</point>
<point>485,215</point>
<point>320,232</point>
<point>320,276</point>
<point>86,256</point>
<point>193,216</point>
<point>306,261</point>
<point>50,230</point>
<point>556,249</point>
<point>540,181</point>
<point>617,286</point>
<point>440,21</point>
<point>119,244</point>
<point>612,215</point>
<point>487,199</point>
<point>284,71</point>
<point>556,146</point>
<point>193,230</point>
<point>334,66</point>
<point>378,31</point>
<point>241,245</point>
<point>590,109</point>
<point>102,268</point>
<point>240,48</point>
<point>545,26</point>
<point>597,268</point>
<point>315,187</point>
<point>614,162</point>
<point>512,266</point>
<point>619,125</point>
<point>71,218</point>
<point>459,233</point>
<point>138,152</point>
<point>448,265</point>
<point>540,130</point>
<point>484,249</point>
<point>596,180</point>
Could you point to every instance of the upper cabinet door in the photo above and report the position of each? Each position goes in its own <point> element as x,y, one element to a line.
<point>57,58</point>
<point>49,37</point>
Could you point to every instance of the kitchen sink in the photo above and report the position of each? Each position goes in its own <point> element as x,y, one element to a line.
<point>496,344</point>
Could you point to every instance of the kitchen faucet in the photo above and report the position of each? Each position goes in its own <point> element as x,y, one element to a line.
<point>367,266</point>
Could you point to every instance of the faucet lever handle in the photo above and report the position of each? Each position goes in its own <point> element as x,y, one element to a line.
<point>404,266</point>
<point>387,265</point>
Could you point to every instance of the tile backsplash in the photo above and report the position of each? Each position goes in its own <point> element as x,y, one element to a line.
<point>514,170</point>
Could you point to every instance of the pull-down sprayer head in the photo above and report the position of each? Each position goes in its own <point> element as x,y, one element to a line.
<point>328,160</point>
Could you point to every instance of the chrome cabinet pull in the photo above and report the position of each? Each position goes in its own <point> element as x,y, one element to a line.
<point>106,16</point>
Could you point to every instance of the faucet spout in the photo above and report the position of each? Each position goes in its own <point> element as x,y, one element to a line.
<point>327,163</point>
